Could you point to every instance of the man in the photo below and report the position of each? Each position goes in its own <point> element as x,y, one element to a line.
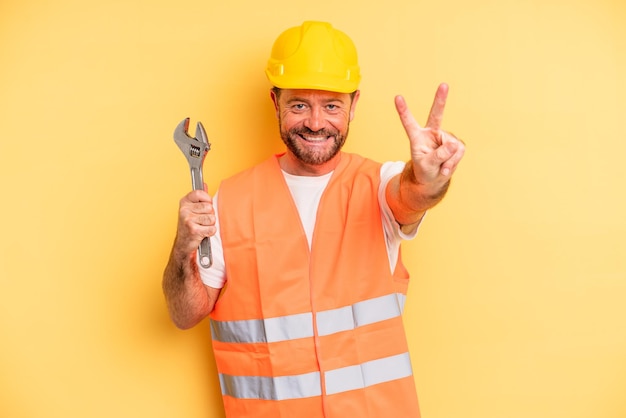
<point>307,287</point>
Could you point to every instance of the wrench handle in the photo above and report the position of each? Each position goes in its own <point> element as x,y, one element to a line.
<point>204,250</point>
<point>204,253</point>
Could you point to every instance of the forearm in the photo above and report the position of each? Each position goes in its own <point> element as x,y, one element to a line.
<point>409,199</point>
<point>187,299</point>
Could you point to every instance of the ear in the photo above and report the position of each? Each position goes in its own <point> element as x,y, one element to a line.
<point>275,101</point>
<point>357,94</point>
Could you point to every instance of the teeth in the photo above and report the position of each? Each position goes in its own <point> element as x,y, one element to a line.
<point>315,138</point>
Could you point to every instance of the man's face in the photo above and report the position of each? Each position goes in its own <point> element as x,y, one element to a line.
<point>314,124</point>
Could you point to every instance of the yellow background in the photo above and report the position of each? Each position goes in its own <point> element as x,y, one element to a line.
<point>518,301</point>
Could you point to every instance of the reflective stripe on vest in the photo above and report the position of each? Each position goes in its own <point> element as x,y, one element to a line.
<point>271,388</point>
<point>308,385</point>
<point>292,327</point>
<point>269,330</point>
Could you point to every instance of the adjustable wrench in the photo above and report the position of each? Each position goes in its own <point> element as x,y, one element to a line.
<point>195,149</point>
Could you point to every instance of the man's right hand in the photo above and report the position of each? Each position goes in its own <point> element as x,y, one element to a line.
<point>196,220</point>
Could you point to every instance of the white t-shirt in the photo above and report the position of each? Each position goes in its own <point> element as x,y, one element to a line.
<point>306,192</point>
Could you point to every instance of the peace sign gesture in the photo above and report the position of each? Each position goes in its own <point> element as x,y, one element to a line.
<point>435,153</point>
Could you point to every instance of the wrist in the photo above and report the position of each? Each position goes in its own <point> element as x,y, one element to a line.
<point>420,196</point>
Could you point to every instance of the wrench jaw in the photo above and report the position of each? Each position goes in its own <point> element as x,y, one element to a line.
<point>181,135</point>
<point>194,149</point>
<point>201,135</point>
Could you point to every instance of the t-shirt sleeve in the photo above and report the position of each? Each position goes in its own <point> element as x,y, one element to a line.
<point>394,232</point>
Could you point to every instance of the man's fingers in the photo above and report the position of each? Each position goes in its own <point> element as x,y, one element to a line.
<point>450,154</point>
<point>196,208</point>
<point>200,196</point>
<point>406,117</point>
<point>445,152</point>
<point>441,158</point>
<point>196,196</point>
<point>435,151</point>
<point>435,116</point>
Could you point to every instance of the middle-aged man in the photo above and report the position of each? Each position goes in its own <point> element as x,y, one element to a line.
<point>307,285</point>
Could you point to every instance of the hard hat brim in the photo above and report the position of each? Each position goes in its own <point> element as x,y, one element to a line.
<point>313,82</point>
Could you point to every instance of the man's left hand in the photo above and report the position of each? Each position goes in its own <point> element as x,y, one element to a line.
<point>435,153</point>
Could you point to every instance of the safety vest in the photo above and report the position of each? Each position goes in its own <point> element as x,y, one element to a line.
<point>319,333</point>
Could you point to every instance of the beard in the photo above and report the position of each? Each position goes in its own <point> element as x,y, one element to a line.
<point>313,155</point>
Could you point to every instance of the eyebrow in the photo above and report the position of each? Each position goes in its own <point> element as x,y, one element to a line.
<point>300,99</point>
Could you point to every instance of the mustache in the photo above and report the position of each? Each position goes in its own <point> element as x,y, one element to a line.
<point>307,131</point>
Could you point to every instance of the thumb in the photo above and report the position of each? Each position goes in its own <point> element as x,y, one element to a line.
<point>445,151</point>
<point>443,155</point>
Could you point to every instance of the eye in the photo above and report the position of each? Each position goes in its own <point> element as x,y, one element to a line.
<point>334,108</point>
<point>298,106</point>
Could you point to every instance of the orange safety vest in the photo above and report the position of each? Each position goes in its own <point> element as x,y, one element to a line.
<point>319,333</point>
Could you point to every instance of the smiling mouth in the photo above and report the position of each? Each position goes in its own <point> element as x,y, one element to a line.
<point>315,138</point>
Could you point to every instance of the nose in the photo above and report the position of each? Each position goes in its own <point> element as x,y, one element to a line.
<point>315,121</point>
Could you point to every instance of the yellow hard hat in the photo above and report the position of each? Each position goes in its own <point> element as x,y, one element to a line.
<point>314,56</point>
